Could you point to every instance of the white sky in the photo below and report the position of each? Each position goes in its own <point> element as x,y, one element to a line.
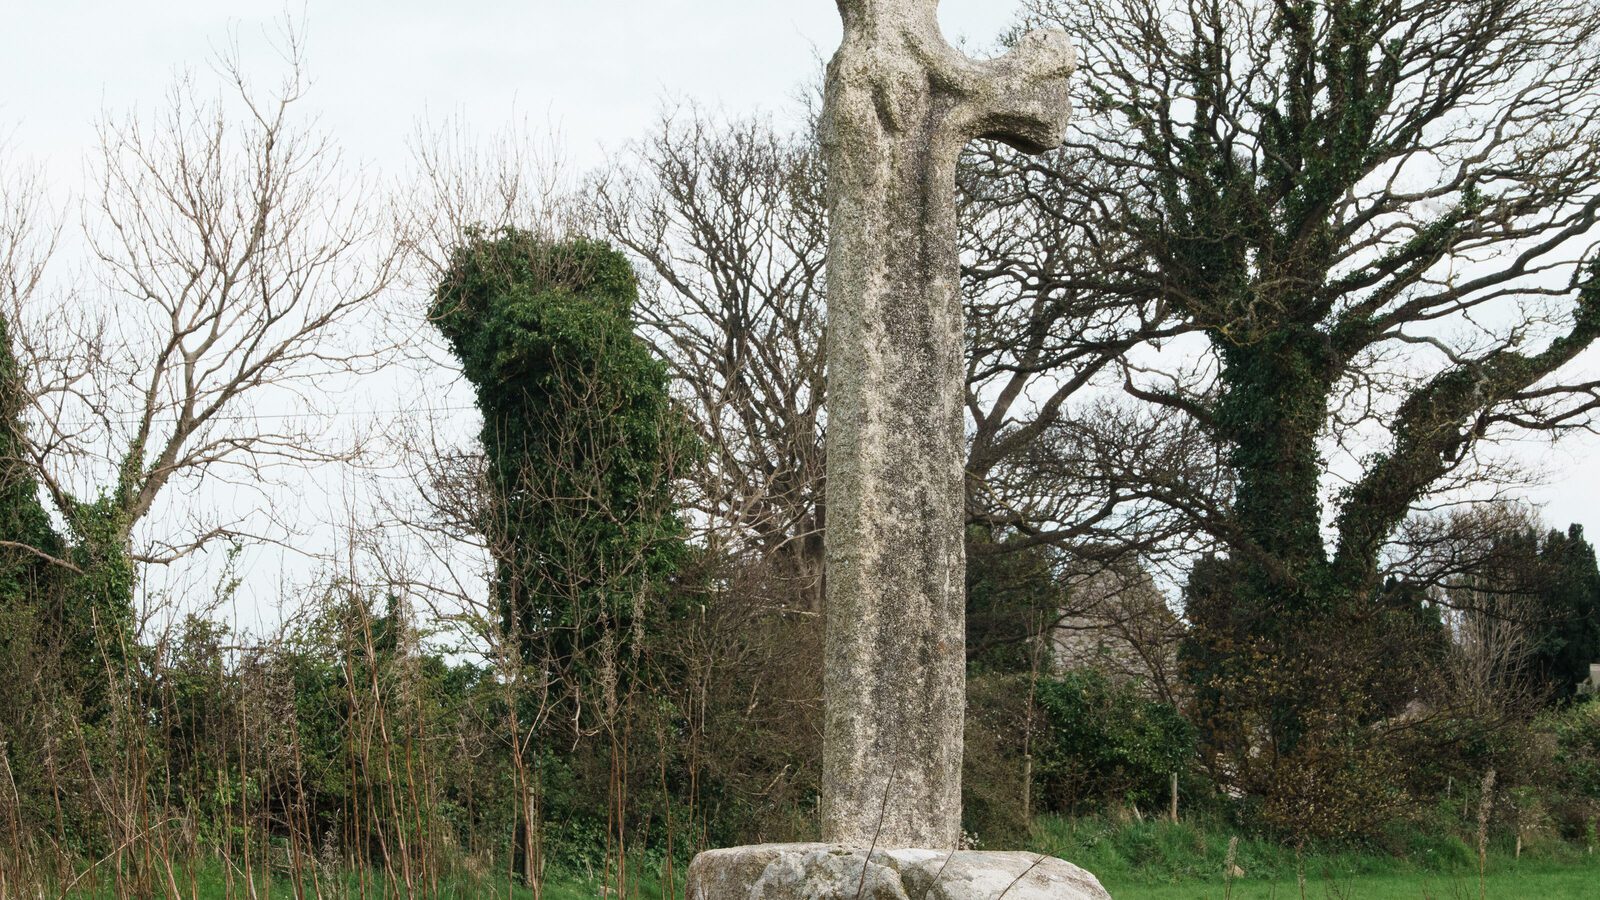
<point>598,71</point>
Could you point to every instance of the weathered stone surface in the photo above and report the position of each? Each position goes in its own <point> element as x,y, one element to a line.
<point>900,105</point>
<point>831,872</point>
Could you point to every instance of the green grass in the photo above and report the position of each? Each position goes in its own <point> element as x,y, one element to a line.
<point>1543,881</point>
<point>208,882</point>
<point>1151,860</point>
<point>1165,861</point>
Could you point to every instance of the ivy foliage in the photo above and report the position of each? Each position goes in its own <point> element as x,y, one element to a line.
<point>23,520</point>
<point>66,595</point>
<point>581,438</point>
<point>1577,734</point>
<point>1106,744</point>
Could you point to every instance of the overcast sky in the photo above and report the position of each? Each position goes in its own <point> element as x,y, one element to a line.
<point>598,71</point>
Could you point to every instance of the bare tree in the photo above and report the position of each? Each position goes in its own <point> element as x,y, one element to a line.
<point>510,178</point>
<point>729,222</point>
<point>1487,677</point>
<point>1119,622</point>
<point>1048,349</point>
<point>29,233</point>
<point>232,262</point>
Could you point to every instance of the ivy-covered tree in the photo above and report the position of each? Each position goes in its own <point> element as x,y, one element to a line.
<point>582,442</point>
<point>58,635</point>
<point>65,601</point>
<point>1379,218</point>
<point>234,264</point>
<point>28,543</point>
<point>30,550</point>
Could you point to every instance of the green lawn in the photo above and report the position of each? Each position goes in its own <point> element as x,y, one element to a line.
<point>1547,882</point>
<point>1158,860</point>
<point>1148,860</point>
<point>1528,881</point>
<point>1538,883</point>
<point>1509,880</point>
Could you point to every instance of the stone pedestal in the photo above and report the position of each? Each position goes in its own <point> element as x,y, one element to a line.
<point>833,872</point>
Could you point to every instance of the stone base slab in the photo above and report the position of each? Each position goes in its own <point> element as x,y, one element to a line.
<point>831,872</point>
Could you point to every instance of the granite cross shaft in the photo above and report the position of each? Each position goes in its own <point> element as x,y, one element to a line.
<point>900,105</point>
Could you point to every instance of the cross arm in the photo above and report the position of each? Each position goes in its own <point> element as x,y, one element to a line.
<point>1022,98</point>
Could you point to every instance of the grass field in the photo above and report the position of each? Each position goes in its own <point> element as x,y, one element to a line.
<point>1546,881</point>
<point>1166,861</point>
<point>1149,860</point>
<point>1528,880</point>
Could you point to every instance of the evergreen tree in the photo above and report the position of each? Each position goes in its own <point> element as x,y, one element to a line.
<point>1569,638</point>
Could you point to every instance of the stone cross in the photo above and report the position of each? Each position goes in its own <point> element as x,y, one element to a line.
<point>900,105</point>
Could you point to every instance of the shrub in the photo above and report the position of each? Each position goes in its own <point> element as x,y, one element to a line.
<point>995,802</point>
<point>1104,744</point>
<point>1575,803</point>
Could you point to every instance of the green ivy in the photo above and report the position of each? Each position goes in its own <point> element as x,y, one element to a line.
<point>581,437</point>
<point>1104,743</point>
